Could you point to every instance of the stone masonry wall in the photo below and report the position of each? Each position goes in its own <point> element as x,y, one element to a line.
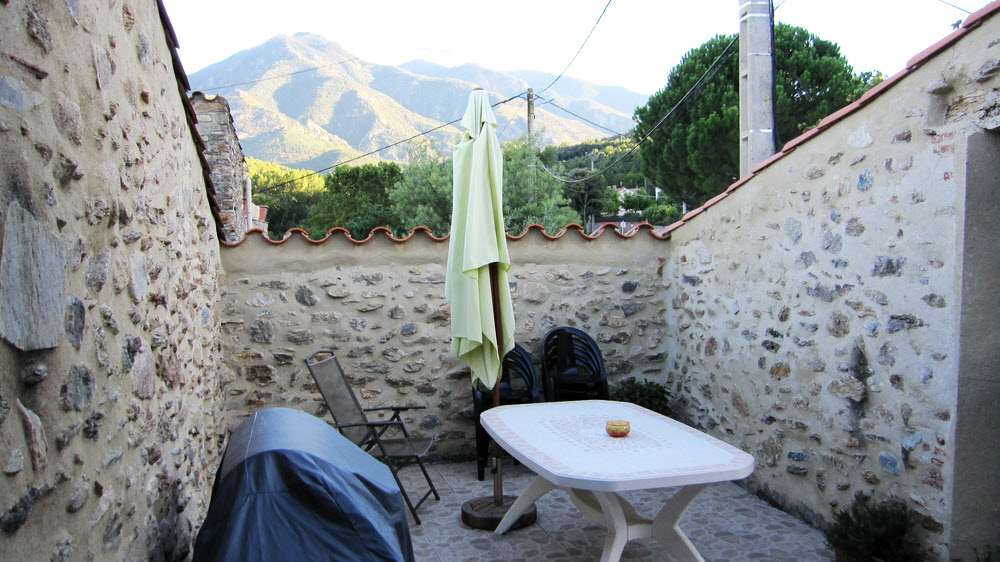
<point>381,306</point>
<point>225,157</point>
<point>109,406</point>
<point>814,313</point>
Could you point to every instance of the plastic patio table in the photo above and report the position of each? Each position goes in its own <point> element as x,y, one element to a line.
<point>566,445</point>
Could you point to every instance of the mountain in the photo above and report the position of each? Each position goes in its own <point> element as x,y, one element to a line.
<point>589,100</point>
<point>303,101</point>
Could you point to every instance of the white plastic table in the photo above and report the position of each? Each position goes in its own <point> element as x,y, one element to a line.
<point>566,445</point>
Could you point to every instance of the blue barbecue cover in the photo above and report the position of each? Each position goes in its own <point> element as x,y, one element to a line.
<point>292,488</point>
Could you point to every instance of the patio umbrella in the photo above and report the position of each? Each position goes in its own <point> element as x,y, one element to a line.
<point>482,316</point>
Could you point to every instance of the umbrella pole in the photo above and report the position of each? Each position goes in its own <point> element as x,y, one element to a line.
<point>486,512</point>
<point>498,325</point>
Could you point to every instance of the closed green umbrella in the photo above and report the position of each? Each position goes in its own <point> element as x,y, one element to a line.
<point>482,316</point>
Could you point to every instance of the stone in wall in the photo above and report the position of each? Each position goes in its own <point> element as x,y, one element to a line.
<point>32,282</point>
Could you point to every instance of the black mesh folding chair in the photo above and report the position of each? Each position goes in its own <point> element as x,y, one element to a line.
<point>572,366</point>
<point>350,418</point>
<point>518,385</point>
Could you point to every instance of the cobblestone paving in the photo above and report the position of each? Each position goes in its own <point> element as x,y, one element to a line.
<point>724,522</point>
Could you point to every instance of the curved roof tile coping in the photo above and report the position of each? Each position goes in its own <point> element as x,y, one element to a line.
<point>340,231</point>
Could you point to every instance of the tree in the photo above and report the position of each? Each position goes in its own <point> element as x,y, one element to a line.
<point>530,195</point>
<point>290,195</point>
<point>357,198</point>
<point>423,196</point>
<point>590,194</point>
<point>694,155</point>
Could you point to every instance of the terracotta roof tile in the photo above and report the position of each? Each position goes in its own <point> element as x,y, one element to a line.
<point>740,182</point>
<point>838,115</point>
<point>882,86</point>
<point>808,134</point>
<point>715,199</point>
<point>666,231</point>
<point>936,48</point>
<point>979,15</point>
<point>692,214</point>
<point>761,165</point>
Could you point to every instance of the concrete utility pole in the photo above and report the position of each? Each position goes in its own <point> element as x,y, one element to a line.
<point>531,110</point>
<point>757,138</point>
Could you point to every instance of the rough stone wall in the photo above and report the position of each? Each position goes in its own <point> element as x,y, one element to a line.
<point>814,312</point>
<point>225,157</point>
<point>109,406</point>
<point>381,306</point>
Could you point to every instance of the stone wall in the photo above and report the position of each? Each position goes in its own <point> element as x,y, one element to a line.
<point>381,306</point>
<point>225,158</point>
<point>109,406</point>
<point>814,312</point>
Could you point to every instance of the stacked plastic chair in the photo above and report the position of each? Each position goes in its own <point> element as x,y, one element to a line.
<point>518,385</point>
<point>572,366</point>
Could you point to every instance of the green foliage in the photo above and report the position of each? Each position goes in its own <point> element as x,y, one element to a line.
<point>423,196</point>
<point>648,394</point>
<point>662,215</point>
<point>637,203</point>
<point>694,155</point>
<point>601,154</point>
<point>869,528</point>
<point>357,198</point>
<point>590,195</point>
<point>289,205</point>
<point>530,195</point>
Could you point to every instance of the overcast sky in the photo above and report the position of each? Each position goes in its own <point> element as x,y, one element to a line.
<point>635,44</point>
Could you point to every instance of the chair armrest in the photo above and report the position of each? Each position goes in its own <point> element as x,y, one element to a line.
<point>395,408</point>
<point>370,424</point>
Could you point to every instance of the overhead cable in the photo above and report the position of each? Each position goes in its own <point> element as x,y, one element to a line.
<point>956,7</point>
<point>578,50</point>
<point>705,78</point>
<point>377,150</point>
<point>582,118</point>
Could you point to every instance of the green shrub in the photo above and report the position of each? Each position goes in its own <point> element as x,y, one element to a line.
<point>648,394</point>
<point>869,528</point>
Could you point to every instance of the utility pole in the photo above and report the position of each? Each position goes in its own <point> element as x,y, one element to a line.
<point>531,110</point>
<point>757,138</point>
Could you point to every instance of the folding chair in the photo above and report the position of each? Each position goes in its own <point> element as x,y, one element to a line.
<point>349,417</point>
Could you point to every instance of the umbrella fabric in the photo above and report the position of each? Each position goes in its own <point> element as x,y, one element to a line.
<point>478,238</point>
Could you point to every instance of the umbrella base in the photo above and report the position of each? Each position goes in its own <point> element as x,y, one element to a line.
<point>480,513</point>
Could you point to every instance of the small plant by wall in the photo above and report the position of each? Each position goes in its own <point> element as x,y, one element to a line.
<point>870,530</point>
<point>648,394</point>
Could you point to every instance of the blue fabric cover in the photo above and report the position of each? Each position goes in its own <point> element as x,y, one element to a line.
<point>292,488</point>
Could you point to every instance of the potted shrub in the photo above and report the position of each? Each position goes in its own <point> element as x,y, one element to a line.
<point>869,530</point>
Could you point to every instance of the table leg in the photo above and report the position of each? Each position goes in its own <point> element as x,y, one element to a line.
<point>538,488</point>
<point>665,526</point>
<point>615,521</point>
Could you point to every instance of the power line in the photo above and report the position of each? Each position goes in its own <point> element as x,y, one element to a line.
<point>217,88</point>
<point>705,78</point>
<point>509,121</point>
<point>580,49</point>
<point>956,7</point>
<point>377,150</point>
<point>582,118</point>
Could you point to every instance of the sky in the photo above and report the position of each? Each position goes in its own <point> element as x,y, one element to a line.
<point>635,44</point>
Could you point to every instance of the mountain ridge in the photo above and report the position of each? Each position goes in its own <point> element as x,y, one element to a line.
<point>305,102</point>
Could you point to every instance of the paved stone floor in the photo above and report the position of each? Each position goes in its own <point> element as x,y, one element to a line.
<point>724,523</point>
